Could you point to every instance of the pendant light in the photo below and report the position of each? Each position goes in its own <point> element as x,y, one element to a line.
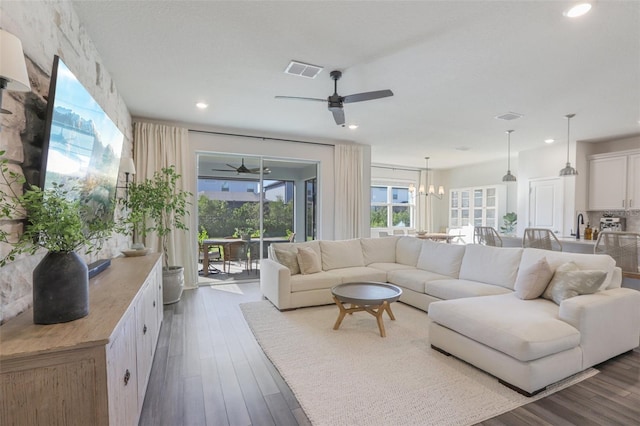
<point>568,170</point>
<point>509,177</point>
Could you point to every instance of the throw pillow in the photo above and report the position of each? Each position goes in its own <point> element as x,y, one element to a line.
<point>532,281</point>
<point>569,281</point>
<point>309,261</point>
<point>289,259</point>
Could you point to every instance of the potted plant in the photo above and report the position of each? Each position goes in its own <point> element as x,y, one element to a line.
<point>509,220</point>
<point>57,221</point>
<point>157,205</point>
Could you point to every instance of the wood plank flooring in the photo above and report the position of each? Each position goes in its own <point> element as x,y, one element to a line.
<point>209,370</point>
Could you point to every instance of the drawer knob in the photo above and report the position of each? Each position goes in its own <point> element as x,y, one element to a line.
<point>154,303</point>
<point>144,329</point>
<point>127,376</point>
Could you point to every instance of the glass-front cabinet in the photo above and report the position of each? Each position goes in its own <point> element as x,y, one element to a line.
<point>480,206</point>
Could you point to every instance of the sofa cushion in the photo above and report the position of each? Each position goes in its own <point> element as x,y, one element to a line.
<point>379,250</point>
<point>408,250</point>
<point>444,259</point>
<point>390,266</point>
<point>447,289</point>
<point>602,262</point>
<point>523,329</point>
<point>287,258</point>
<point>413,279</point>
<point>341,254</point>
<point>360,273</point>
<point>569,281</point>
<point>293,248</point>
<point>491,265</point>
<point>318,281</point>
<point>309,261</point>
<point>533,280</point>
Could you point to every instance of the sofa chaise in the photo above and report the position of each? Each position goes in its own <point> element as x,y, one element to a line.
<point>480,311</point>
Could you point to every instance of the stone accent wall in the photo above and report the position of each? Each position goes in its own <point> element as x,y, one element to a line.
<point>48,28</point>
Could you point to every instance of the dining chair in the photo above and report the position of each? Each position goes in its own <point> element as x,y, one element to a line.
<point>541,238</point>
<point>398,232</point>
<point>234,251</point>
<point>486,235</point>
<point>622,246</point>
<point>383,234</point>
<point>292,237</point>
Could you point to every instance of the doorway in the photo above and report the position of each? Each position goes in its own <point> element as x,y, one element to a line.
<point>245,204</point>
<point>546,197</point>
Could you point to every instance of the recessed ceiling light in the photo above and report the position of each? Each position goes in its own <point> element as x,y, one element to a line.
<point>577,10</point>
<point>202,105</point>
<point>353,126</point>
<point>549,140</point>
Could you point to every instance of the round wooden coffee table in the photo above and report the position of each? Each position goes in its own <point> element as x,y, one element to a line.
<point>371,297</point>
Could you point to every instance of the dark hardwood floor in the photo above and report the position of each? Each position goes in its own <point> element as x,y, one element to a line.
<point>209,370</point>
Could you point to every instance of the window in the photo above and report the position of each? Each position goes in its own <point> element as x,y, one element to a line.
<point>474,206</point>
<point>391,207</point>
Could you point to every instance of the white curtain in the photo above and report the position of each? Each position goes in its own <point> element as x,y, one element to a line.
<point>348,191</point>
<point>156,146</point>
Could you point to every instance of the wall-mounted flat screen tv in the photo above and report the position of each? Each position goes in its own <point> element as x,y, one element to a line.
<point>82,145</point>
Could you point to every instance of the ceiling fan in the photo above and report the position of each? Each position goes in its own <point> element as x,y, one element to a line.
<point>242,169</point>
<point>335,102</point>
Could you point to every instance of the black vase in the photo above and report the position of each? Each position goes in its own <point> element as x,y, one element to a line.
<point>60,289</point>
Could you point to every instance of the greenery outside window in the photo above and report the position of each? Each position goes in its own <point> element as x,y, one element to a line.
<point>392,206</point>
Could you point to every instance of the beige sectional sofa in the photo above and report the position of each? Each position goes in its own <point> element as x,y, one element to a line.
<point>469,293</point>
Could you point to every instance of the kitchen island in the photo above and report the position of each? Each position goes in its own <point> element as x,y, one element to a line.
<point>569,244</point>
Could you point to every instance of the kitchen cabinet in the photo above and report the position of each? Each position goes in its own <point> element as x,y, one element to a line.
<point>613,181</point>
<point>91,371</point>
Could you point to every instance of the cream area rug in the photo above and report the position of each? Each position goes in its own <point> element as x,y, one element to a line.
<point>353,376</point>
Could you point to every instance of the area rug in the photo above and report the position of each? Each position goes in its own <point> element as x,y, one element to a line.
<point>353,376</point>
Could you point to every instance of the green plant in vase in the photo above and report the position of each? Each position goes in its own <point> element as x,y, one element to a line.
<point>509,220</point>
<point>57,221</point>
<point>157,205</point>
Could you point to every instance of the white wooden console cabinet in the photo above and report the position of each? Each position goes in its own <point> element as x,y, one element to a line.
<point>92,371</point>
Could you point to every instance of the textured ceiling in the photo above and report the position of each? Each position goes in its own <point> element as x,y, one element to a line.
<point>452,65</point>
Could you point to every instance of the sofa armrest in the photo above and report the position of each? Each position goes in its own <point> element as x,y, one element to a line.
<point>275,283</point>
<point>608,321</point>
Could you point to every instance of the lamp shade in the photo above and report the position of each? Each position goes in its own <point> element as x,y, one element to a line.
<point>13,68</point>
<point>127,166</point>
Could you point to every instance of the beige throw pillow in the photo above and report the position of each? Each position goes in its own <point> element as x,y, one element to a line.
<point>569,281</point>
<point>532,281</point>
<point>309,261</point>
<point>289,259</point>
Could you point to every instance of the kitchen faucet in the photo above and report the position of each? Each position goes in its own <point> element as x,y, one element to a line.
<point>580,222</point>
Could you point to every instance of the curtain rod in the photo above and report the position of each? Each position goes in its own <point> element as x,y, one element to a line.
<point>396,168</point>
<point>259,137</point>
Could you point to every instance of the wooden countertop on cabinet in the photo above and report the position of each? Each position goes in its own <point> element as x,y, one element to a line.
<point>65,373</point>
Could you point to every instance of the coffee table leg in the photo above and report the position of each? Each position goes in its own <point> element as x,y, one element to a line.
<point>388,309</point>
<point>341,315</point>
<point>379,313</point>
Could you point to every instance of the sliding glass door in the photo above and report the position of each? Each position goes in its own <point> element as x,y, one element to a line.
<point>254,201</point>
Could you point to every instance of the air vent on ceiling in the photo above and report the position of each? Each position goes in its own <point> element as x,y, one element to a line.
<point>303,70</point>
<point>509,116</point>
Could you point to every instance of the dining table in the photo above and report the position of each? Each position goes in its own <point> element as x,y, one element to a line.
<point>221,242</point>
<point>437,236</point>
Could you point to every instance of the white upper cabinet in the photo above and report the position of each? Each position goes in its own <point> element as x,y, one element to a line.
<point>613,181</point>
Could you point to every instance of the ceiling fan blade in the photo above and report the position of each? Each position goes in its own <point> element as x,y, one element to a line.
<point>338,115</point>
<point>367,96</point>
<point>298,98</point>
<point>256,170</point>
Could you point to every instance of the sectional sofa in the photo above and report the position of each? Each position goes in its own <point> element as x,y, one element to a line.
<point>477,298</point>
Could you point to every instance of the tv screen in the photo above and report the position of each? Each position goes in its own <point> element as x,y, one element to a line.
<point>82,145</point>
